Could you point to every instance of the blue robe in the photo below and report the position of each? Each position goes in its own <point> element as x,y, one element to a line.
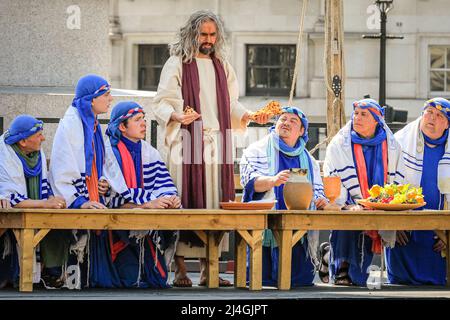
<point>154,270</point>
<point>302,270</point>
<point>355,247</point>
<point>416,263</point>
<point>9,266</point>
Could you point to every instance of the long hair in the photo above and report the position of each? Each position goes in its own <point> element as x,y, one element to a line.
<point>187,45</point>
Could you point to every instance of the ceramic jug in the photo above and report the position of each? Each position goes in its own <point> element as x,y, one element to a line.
<point>298,190</point>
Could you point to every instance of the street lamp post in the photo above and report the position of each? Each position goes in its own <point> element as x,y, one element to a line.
<point>384,7</point>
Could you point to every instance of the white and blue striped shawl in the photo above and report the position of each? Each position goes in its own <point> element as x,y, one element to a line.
<point>157,180</point>
<point>255,163</point>
<point>412,142</point>
<point>339,162</point>
<point>67,173</point>
<point>12,178</point>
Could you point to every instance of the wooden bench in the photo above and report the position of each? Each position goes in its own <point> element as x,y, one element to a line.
<point>31,225</point>
<point>290,226</point>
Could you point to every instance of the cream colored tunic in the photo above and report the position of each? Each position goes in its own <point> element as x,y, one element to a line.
<point>169,99</point>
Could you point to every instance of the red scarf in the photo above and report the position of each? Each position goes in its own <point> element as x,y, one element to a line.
<point>194,178</point>
<point>128,169</point>
<point>129,174</point>
<point>364,185</point>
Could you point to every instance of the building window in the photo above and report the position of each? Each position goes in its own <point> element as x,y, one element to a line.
<point>151,61</point>
<point>270,69</point>
<point>440,69</point>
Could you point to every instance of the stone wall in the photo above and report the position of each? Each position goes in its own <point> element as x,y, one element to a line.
<point>43,47</point>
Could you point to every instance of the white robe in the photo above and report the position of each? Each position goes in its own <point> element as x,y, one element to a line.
<point>339,162</point>
<point>13,184</point>
<point>67,165</point>
<point>169,99</point>
<point>412,142</point>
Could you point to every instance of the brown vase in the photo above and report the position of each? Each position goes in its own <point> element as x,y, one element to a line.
<point>297,191</point>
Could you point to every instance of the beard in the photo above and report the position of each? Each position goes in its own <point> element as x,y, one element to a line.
<point>204,50</point>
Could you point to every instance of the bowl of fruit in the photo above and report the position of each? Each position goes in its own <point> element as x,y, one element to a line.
<point>394,197</point>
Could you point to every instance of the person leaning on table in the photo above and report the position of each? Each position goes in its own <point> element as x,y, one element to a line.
<point>76,168</point>
<point>264,170</point>
<point>138,179</point>
<point>363,153</point>
<point>416,258</point>
<point>23,179</point>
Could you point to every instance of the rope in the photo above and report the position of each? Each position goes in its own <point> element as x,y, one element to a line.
<point>317,146</point>
<point>141,259</point>
<point>297,57</point>
<point>327,60</point>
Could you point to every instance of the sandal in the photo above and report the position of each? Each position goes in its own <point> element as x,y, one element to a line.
<point>52,282</point>
<point>222,283</point>
<point>182,282</point>
<point>323,266</point>
<point>342,278</point>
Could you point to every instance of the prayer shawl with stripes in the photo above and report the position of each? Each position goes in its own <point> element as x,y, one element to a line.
<point>13,184</point>
<point>412,142</point>
<point>67,166</point>
<point>255,163</point>
<point>157,180</point>
<point>339,162</point>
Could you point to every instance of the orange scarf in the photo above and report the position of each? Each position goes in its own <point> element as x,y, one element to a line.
<point>92,183</point>
<point>364,185</point>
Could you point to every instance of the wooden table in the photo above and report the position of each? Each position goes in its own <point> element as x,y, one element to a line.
<point>31,225</point>
<point>289,226</point>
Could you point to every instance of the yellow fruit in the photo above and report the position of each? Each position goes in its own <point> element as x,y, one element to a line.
<point>375,191</point>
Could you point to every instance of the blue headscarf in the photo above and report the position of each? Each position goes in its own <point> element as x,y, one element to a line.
<point>88,88</point>
<point>121,111</point>
<point>373,107</point>
<point>302,117</point>
<point>378,113</point>
<point>443,105</point>
<point>374,154</point>
<point>21,128</point>
<point>299,150</point>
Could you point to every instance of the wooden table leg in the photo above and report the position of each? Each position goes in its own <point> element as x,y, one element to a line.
<point>256,261</point>
<point>447,257</point>
<point>26,260</point>
<point>240,261</point>
<point>284,259</point>
<point>212,261</point>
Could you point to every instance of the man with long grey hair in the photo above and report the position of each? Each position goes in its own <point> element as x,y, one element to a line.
<point>197,105</point>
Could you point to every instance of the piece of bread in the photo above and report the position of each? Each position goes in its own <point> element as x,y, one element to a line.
<point>273,108</point>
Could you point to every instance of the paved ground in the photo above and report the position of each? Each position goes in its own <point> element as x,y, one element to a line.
<point>319,291</point>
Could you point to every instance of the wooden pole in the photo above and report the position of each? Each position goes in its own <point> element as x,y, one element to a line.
<point>334,66</point>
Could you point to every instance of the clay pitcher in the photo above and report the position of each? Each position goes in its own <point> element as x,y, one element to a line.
<point>298,190</point>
